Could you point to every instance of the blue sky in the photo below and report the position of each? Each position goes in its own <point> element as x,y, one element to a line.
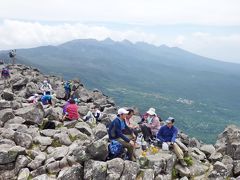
<point>208,28</point>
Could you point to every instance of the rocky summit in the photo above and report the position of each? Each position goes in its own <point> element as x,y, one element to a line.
<point>78,150</point>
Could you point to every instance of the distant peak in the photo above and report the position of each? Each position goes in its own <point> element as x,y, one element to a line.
<point>108,41</point>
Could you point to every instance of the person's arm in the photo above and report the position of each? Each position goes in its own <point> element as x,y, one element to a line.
<point>119,132</point>
<point>50,87</point>
<point>175,132</point>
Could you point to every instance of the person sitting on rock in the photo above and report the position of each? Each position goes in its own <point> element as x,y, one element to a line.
<point>94,115</point>
<point>33,99</point>
<point>71,111</point>
<point>134,127</point>
<point>5,75</point>
<point>46,87</point>
<point>119,131</point>
<point>150,125</point>
<point>168,134</point>
<point>46,99</point>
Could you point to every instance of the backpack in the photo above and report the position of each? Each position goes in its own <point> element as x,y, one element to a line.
<point>115,148</point>
<point>11,54</point>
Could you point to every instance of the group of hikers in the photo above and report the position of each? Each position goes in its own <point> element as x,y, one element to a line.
<point>122,129</point>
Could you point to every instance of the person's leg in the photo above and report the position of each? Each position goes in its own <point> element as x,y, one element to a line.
<point>178,151</point>
<point>129,147</point>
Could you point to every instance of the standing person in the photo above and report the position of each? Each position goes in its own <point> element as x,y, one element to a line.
<point>71,111</point>
<point>5,75</point>
<point>150,124</point>
<point>168,134</point>
<point>12,55</point>
<point>68,89</point>
<point>119,131</point>
<point>46,87</point>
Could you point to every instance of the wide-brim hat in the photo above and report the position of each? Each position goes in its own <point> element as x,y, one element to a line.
<point>151,111</point>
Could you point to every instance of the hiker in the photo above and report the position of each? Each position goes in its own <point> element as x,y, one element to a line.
<point>46,87</point>
<point>150,125</point>
<point>119,131</point>
<point>94,115</point>
<point>167,135</point>
<point>33,99</point>
<point>131,125</point>
<point>5,75</point>
<point>47,98</point>
<point>71,112</point>
<point>12,55</point>
<point>68,89</point>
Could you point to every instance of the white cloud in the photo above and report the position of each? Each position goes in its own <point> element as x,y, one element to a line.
<point>214,12</point>
<point>21,34</point>
<point>179,40</point>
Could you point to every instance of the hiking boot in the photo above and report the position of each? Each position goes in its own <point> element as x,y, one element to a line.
<point>182,162</point>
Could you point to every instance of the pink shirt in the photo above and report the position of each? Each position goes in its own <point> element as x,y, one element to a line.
<point>72,110</point>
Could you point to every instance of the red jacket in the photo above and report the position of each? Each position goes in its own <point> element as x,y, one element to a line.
<point>72,110</point>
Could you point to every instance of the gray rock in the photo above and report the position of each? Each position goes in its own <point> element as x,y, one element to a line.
<point>9,154</point>
<point>236,168</point>
<point>74,133</point>
<point>208,149</point>
<point>7,95</point>
<point>94,170</point>
<point>23,139</point>
<point>23,174</point>
<point>148,174</point>
<point>21,162</point>
<point>63,163</point>
<point>100,131</point>
<point>183,171</point>
<point>15,120</point>
<point>38,172</point>
<point>71,173</point>
<point>59,153</point>
<point>60,92</point>
<point>83,110</point>
<point>31,89</point>
<point>110,110</point>
<point>115,168</point>
<point>49,132</point>
<point>63,138</point>
<point>198,168</point>
<point>84,128</point>
<point>8,133</point>
<point>6,114</point>
<point>44,141</point>
<point>98,149</point>
<point>21,83</point>
<point>216,156</point>
<point>15,127</point>
<point>32,114</point>
<point>220,168</point>
<point>130,170</point>
<point>38,161</point>
<point>53,167</point>
<point>80,154</point>
<point>4,104</point>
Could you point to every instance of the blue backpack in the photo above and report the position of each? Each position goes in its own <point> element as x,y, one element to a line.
<point>67,86</point>
<point>115,148</point>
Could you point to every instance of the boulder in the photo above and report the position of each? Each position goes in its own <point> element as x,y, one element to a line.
<point>148,174</point>
<point>9,153</point>
<point>21,83</point>
<point>60,92</point>
<point>208,149</point>
<point>183,171</point>
<point>83,110</point>
<point>100,131</point>
<point>32,114</point>
<point>15,120</point>
<point>236,168</point>
<point>23,174</point>
<point>216,156</point>
<point>98,149</point>
<point>21,162</point>
<point>23,139</point>
<point>130,170</point>
<point>31,89</point>
<point>115,168</point>
<point>80,154</point>
<point>4,104</point>
<point>38,172</point>
<point>76,134</point>
<point>38,161</point>
<point>94,170</point>
<point>44,141</point>
<point>72,173</point>
<point>59,152</point>
<point>49,132</point>
<point>220,168</point>
<point>6,114</point>
<point>53,167</point>
<point>63,138</point>
<point>110,110</point>
<point>7,95</point>
<point>84,128</point>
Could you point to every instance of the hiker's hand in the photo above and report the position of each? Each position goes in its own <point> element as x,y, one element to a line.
<point>132,143</point>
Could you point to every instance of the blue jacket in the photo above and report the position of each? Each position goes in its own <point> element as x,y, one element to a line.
<point>166,134</point>
<point>115,130</point>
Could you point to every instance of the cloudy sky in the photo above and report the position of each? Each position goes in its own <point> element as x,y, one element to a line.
<point>208,27</point>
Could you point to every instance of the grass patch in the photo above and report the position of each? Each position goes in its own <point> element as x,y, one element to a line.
<point>72,138</point>
<point>174,173</point>
<point>188,160</point>
<point>56,143</point>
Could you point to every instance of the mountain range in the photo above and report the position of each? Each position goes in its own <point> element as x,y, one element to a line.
<point>201,93</point>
